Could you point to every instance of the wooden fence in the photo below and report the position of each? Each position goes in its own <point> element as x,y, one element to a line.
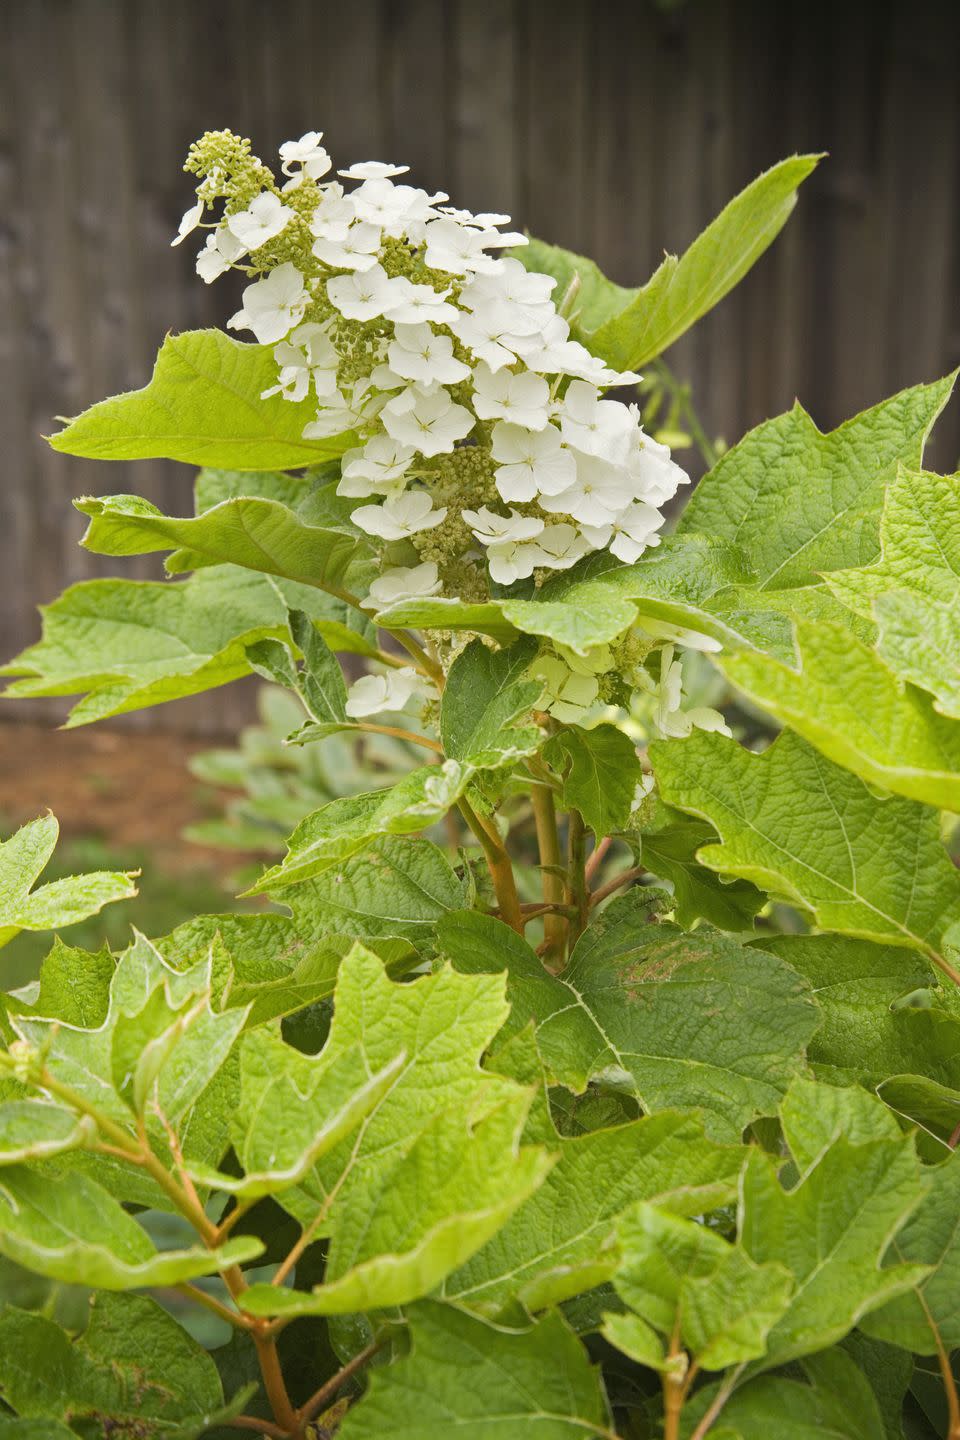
<point>616,127</point>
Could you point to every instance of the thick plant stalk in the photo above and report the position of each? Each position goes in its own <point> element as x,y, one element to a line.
<point>548,840</point>
<point>498,863</point>
<point>578,895</point>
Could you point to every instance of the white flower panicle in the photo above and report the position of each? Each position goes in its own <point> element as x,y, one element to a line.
<point>485,445</point>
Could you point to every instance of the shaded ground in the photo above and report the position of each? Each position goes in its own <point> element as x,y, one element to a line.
<point>131,790</point>
<point>122,799</point>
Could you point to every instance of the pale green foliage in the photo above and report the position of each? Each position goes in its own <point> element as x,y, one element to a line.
<point>600,770</point>
<point>23,858</point>
<point>133,1363</point>
<point>889,735</point>
<point>799,502</point>
<point>202,405</point>
<point>486,1380</point>
<point>631,327</point>
<point>132,643</point>
<point>676,1275</point>
<point>832,1230</point>
<point>912,589</point>
<point>800,827</point>
<point>666,1011</point>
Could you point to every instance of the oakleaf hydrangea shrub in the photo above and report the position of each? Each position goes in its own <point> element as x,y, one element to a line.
<point>594,1069</point>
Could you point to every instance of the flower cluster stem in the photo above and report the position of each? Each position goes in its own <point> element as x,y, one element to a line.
<point>548,840</point>
<point>499,865</point>
<point>577,894</point>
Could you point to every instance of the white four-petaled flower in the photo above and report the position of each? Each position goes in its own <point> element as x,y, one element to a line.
<point>400,516</point>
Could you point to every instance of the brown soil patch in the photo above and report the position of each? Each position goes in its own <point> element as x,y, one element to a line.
<point>133,790</point>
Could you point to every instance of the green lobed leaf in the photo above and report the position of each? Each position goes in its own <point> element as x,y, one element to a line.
<point>917,1319</point>
<point>204,405</point>
<point>23,858</point>
<point>321,682</point>
<point>486,691</point>
<point>73,1230</point>
<point>676,1019</point>
<point>131,1054</point>
<point>832,1230</point>
<point>600,769</point>
<point>421,1154</point>
<point>867,1035</point>
<point>887,733</point>
<point>561,1242</point>
<point>73,984</point>
<point>682,581</point>
<point>36,1129</point>
<point>804,829</point>
<point>837,1401</point>
<point>485,1381</point>
<point>133,643</point>
<point>670,852</point>
<point>912,590</point>
<point>345,827</point>
<point>391,897</point>
<point>133,1366</point>
<point>439,1202</point>
<point>800,502</point>
<point>685,1281</point>
<point>249,531</point>
<point>292,1109</point>
<point>630,327</point>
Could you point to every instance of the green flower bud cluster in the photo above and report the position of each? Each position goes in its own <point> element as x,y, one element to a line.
<point>229,170</point>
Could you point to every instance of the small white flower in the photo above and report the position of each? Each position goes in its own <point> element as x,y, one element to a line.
<point>670,717</point>
<point>569,697</point>
<point>218,254</point>
<point>560,547</point>
<point>428,420</point>
<point>191,219</point>
<point>417,353</point>
<point>339,412</point>
<point>654,474</point>
<point>491,528</point>
<point>372,170</point>
<point>484,333</point>
<point>400,516</point>
<point>364,295</point>
<point>597,427</point>
<point>634,531</point>
<point>356,251</point>
<point>307,153</point>
<point>272,306</point>
<point>334,215</point>
<point>599,493</point>
<point>377,467</point>
<point>523,399</point>
<point>508,561</point>
<point>415,304</point>
<point>393,207</point>
<point>457,250</point>
<point>372,694</point>
<point>533,462</point>
<point>264,218</point>
<point>307,357</point>
<point>403,583</point>
<point>513,281</point>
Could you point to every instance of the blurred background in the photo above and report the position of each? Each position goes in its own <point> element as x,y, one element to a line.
<point>614,127</point>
